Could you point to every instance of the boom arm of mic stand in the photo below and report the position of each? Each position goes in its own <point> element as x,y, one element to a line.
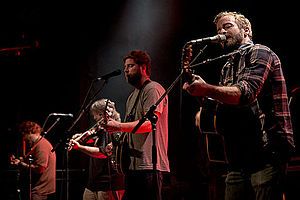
<point>208,61</point>
<point>81,112</point>
<point>220,57</point>
<point>149,115</point>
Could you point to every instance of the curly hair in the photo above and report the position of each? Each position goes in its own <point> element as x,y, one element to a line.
<point>30,127</point>
<point>240,20</point>
<point>140,57</point>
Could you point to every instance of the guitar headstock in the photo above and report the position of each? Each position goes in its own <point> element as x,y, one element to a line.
<point>103,110</point>
<point>187,54</point>
<point>108,110</point>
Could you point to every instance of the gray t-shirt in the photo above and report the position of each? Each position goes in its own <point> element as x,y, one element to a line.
<point>141,143</point>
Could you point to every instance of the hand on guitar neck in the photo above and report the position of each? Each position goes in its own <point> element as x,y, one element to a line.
<point>188,76</point>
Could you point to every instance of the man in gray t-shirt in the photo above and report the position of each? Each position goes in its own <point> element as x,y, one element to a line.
<point>144,177</point>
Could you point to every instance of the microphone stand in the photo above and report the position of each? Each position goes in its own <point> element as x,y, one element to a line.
<point>153,119</point>
<point>30,176</point>
<point>29,154</point>
<point>66,136</point>
<point>220,57</point>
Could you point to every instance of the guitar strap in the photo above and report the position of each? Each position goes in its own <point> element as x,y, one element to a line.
<point>136,100</point>
<point>131,115</point>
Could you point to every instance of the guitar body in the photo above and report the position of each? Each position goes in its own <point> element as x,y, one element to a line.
<point>208,111</point>
<point>121,160</point>
<point>214,141</point>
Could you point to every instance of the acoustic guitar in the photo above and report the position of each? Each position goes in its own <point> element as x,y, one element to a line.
<point>214,142</point>
<point>121,159</point>
<point>121,151</point>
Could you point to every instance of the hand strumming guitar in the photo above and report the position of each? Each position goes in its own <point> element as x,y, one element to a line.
<point>15,161</point>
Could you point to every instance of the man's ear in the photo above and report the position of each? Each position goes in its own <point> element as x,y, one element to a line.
<point>247,31</point>
<point>144,68</point>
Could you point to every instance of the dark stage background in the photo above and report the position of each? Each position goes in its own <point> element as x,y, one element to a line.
<point>49,55</point>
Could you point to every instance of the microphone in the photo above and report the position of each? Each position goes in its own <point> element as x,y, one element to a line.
<point>61,114</point>
<point>109,75</point>
<point>214,39</point>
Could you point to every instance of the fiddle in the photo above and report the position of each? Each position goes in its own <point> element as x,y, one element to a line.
<point>81,137</point>
<point>99,126</point>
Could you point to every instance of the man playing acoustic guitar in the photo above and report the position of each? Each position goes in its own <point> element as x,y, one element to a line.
<point>143,181</point>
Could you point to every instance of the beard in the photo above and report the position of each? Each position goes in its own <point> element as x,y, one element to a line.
<point>134,79</point>
<point>233,43</point>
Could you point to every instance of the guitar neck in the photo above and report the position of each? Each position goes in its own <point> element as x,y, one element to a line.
<point>186,58</point>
